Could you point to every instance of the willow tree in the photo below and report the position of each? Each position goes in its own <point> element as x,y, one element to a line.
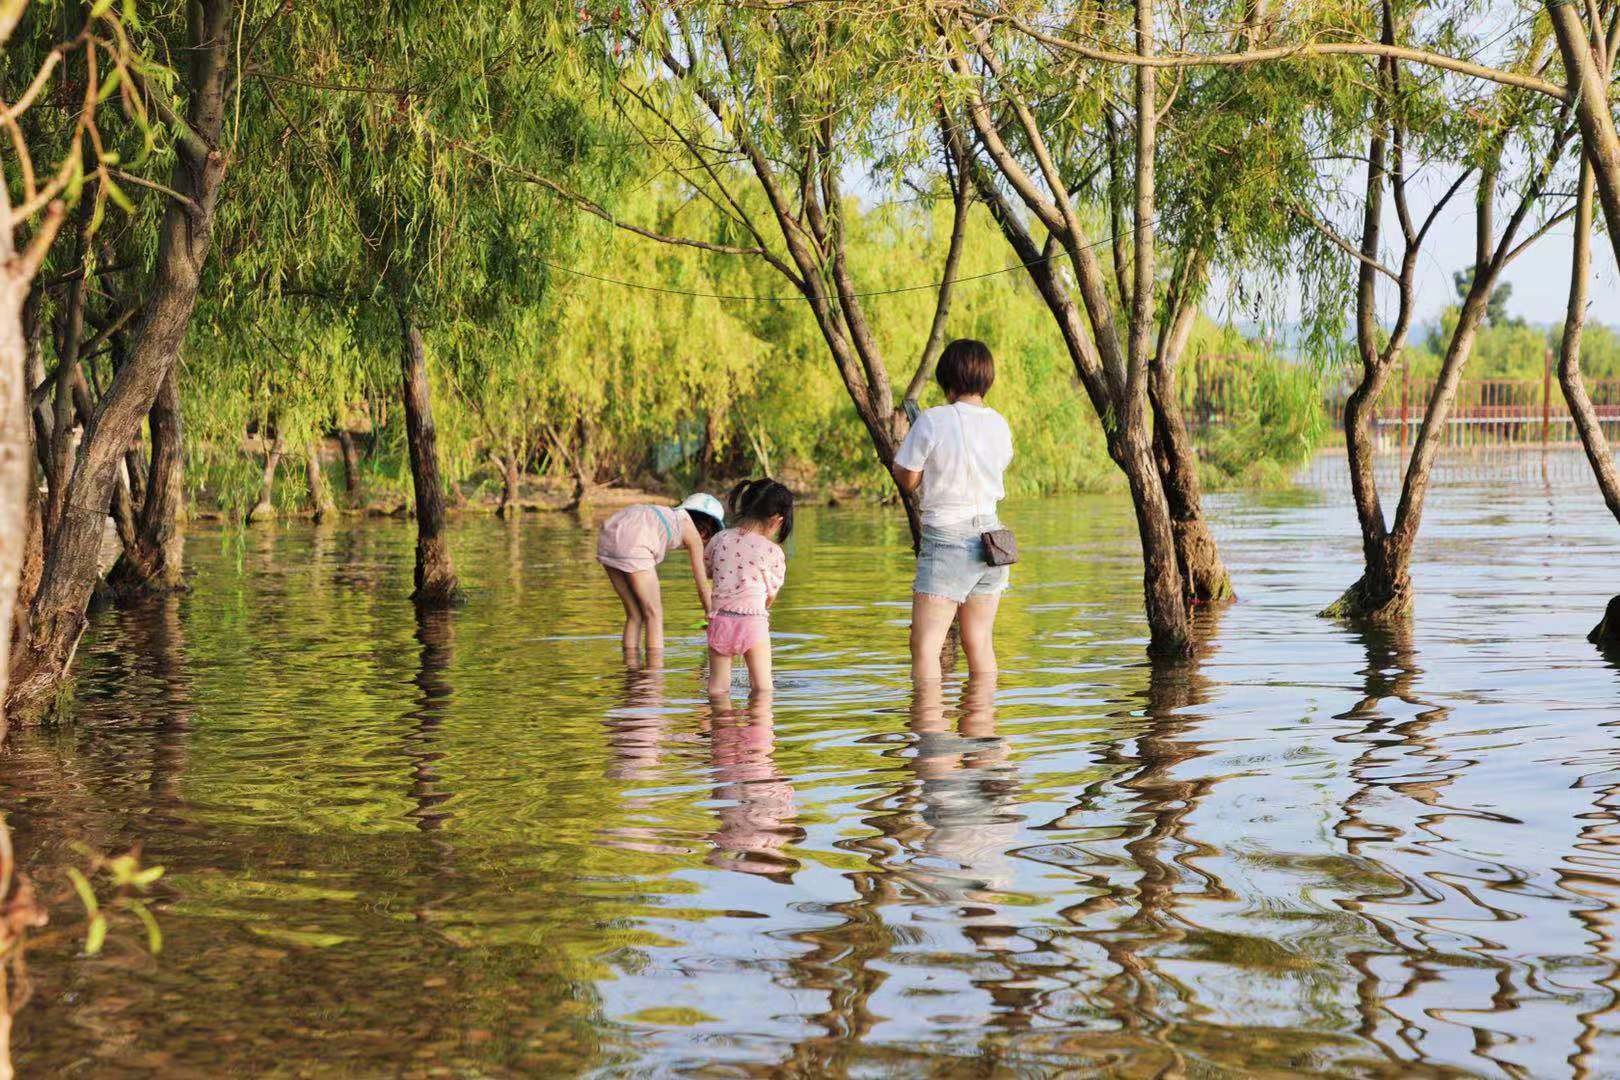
<point>57,615</point>
<point>1511,150</point>
<point>387,195</point>
<point>763,114</point>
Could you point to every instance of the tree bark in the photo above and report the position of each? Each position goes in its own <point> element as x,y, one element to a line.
<point>582,466</point>
<point>58,616</point>
<point>320,500</point>
<point>1169,625</point>
<point>511,477</point>
<point>1588,78</point>
<point>435,578</point>
<point>264,505</point>
<point>1203,572</point>
<point>1587,422</point>
<point>155,561</point>
<point>70,334</point>
<point>351,469</point>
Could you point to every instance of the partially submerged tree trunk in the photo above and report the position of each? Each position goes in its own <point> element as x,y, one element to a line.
<point>1203,572</point>
<point>264,504</point>
<point>1589,62</point>
<point>320,500</point>
<point>1117,371</point>
<point>58,616</point>
<point>154,561</point>
<point>436,584</point>
<point>351,469</point>
<point>1383,593</point>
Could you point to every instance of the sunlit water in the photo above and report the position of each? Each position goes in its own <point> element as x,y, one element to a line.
<point>479,845</point>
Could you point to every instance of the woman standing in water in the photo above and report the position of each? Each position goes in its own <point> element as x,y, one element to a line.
<point>957,453</point>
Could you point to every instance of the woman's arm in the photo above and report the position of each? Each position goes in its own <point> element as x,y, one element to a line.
<point>700,574</point>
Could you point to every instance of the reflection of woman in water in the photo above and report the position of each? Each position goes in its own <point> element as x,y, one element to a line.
<point>756,821</point>
<point>966,788</point>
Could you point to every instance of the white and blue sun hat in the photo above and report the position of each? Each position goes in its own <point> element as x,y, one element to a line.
<point>703,503</point>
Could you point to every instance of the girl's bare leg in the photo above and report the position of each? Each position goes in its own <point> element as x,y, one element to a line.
<point>648,594</point>
<point>760,683</point>
<point>719,675</point>
<point>978,633</point>
<point>931,618</point>
<point>632,609</point>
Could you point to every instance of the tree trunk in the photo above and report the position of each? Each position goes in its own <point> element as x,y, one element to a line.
<point>1588,81</point>
<point>154,562</point>
<point>1587,422</point>
<point>58,616</point>
<point>264,506</point>
<point>16,451</point>
<point>435,578</point>
<point>1169,627</point>
<point>511,476</point>
<point>582,466</point>
<point>320,500</point>
<point>351,469</point>
<point>70,334</point>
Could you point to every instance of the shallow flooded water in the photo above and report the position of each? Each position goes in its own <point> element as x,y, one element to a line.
<point>477,844</point>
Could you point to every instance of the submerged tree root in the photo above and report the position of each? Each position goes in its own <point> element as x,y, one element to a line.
<point>1373,599</point>
<point>1607,632</point>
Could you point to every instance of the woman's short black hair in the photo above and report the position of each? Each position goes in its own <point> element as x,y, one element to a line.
<point>965,367</point>
<point>761,499</point>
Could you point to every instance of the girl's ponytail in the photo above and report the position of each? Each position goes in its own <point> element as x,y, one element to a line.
<point>761,499</point>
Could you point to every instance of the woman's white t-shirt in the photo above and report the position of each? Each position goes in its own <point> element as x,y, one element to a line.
<point>962,451</point>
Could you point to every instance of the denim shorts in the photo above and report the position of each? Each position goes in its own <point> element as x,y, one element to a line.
<point>952,565</point>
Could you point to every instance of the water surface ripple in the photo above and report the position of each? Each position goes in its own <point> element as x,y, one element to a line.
<point>475,843</point>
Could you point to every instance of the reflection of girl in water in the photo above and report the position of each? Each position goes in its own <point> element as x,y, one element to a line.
<point>637,731</point>
<point>756,821</point>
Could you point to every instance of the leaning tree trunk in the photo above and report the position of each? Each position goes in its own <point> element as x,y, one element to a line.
<point>1587,422</point>
<point>435,577</point>
<point>154,561</point>
<point>264,504</point>
<point>351,469</point>
<point>1588,75</point>
<point>320,500</point>
<point>58,617</point>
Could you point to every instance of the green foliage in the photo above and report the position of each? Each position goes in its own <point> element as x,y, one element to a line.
<point>1277,421</point>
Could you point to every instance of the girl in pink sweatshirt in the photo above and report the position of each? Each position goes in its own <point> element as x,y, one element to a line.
<point>747,567</point>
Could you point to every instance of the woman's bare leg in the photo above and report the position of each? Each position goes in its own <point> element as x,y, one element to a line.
<point>719,675</point>
<point>632,609</point>
<point>978,633</point>
<point>648,593</point>
<point>930,621</point>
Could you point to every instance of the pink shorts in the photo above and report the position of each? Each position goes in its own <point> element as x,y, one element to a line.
<point>731,634</point>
